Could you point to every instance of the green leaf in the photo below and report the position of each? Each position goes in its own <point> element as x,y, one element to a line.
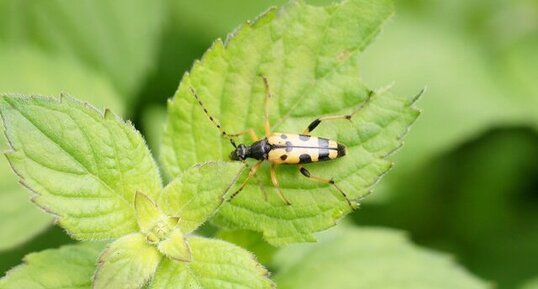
<point>309,55</point>
<point>128,263</point>
<point>472,100</point>
<point>176,246</point>
<point>517,68</point>
<point>368,258</point>
<point>69,267</point>
<point>198,192</point>
<point>147,212</point>
<point>19,219</point>
<point>251,241</point>
<point>471,221</point>
<point>117,38</point>
<point>215,264</point>
<point>531,284</point>
<point>83,166</point>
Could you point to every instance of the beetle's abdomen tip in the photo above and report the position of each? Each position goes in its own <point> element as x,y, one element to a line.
<point>341,149</point>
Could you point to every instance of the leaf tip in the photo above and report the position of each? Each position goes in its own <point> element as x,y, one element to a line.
<point>109,114</point>
<point>419,94</point>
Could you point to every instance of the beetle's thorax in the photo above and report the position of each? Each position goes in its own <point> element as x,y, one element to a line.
<point>258,150</point>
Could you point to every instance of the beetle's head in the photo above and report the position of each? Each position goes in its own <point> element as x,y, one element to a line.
<point>240,153</point>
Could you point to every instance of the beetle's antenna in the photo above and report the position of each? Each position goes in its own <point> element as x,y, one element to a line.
<point>224,134</point>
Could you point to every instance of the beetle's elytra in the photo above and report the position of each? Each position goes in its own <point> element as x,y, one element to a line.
<point>285,148</point>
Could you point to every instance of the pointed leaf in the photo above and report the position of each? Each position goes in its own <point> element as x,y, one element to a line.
<point>215,264</point>
<point>372,258</point>
<point>198,192</point>
<point>83,167</point>
<point>176,247</point>
<point>128,263</point>
<point>309,55</point>
<point>147,212</point>
<point>69,267</point>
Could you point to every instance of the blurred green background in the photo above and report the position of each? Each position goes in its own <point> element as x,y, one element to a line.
<point>465,182</point>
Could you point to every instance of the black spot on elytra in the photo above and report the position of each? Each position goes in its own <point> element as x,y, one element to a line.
<point>283,157</point>
<point>289,146</point>
<point>305,158</point>
<point>341,149</point>
<point>304,137</point>
<point>323,155</point>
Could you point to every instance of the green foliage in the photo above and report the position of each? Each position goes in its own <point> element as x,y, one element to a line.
<point>493,194</point>
<point>371,258</point>
<point>127,263</point>
<point>95,173</point>
<point>470,159</point>
<point>251,241</point>
<point>478,104</point>
<point>56,75</point>
<point>476,57</point>
<point>531,284</point>
<point>216,264</point>
<point>83,166</point>
<point>309,55</point>
<point>70,267</point>
<point>197,193</point>
<point>118,38</point>
<point>19,220</point>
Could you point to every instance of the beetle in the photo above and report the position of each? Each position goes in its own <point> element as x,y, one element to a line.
<point>285,148</point>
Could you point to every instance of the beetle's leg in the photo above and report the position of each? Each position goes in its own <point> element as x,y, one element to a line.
<point>277,184</point>
<point>268,96</point>
<point>250,131</point>
<point>318,120</point>
<point>251,173</point>
<point>307,174</point>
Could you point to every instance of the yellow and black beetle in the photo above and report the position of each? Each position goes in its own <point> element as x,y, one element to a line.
<point>285,148</point>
